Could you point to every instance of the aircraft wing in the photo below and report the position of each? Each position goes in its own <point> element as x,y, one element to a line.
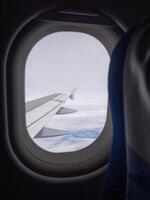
<point>40,111</point>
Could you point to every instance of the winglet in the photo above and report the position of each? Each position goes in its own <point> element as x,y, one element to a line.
<point>72,94</point>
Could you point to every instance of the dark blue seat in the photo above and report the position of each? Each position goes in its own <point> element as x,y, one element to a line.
<point>116,175</point>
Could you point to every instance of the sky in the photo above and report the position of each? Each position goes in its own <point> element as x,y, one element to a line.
<point>62,61</point>
<point>59,63</point>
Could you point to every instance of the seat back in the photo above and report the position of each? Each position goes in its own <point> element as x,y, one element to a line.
<point>137,112</point>
<point>128,174</point>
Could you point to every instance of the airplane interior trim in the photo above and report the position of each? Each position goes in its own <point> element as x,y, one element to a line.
<point>116,166</point>
<point>86,161</point>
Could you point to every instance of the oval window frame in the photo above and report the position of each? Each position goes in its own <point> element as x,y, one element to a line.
<point>60,167</point>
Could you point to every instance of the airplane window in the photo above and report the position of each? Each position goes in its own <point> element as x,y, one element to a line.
<point>66,91</point>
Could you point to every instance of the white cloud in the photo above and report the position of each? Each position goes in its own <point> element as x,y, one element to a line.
<point>60,62</point>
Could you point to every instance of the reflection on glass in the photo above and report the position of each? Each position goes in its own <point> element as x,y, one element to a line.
<point>66,91</point>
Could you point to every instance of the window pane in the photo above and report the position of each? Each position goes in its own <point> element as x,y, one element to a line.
<point>66,91</point>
